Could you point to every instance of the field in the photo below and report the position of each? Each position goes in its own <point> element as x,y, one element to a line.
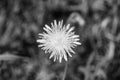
<point>97,22</point>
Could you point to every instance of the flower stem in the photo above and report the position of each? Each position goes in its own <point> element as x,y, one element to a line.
<point>65,71</point>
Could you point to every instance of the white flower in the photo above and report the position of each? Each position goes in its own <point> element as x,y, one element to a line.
<point>58,40</point>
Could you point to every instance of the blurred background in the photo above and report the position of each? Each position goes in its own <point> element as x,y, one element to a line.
<point>96,21</point>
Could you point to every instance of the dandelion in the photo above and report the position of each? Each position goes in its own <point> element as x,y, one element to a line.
<point>58,40</point>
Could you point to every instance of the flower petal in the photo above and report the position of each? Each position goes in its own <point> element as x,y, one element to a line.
<point>78,43</point>
<point>48,27</point>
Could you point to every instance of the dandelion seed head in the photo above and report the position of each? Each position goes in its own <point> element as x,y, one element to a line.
<point>58,40</point>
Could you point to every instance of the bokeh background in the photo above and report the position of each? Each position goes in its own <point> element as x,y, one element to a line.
<point>96,21</point>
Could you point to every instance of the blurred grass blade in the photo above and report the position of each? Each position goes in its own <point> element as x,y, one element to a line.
<point>8,57</point>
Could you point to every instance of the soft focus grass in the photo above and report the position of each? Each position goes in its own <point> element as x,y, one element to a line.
<point>96,21</point>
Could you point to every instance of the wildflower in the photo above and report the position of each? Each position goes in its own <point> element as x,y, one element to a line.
<point>58,40</point>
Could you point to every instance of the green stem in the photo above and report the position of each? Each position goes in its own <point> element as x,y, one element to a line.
<point>65,71</point>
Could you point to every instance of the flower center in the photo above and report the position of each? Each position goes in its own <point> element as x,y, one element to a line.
<point>58,41</point>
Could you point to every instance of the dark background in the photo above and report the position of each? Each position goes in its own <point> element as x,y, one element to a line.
<point>96,21</point>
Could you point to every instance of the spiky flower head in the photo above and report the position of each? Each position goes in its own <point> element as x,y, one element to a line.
<point>58,40</point>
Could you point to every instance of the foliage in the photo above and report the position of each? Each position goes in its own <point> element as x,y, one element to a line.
<point>96,21</point>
